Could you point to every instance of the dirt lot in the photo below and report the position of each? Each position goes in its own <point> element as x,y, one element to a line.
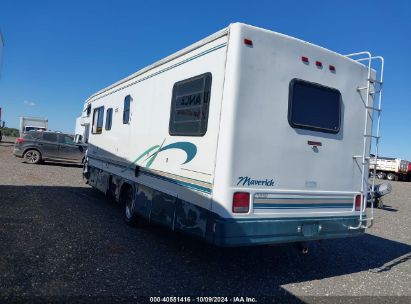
<point>59,238</point>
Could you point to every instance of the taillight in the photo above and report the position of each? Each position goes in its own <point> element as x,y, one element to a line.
<point>19,140</point>
<point>358,202</point>
<point>241,202</point>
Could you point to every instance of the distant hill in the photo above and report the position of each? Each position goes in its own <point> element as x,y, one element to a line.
<point>10,132</point>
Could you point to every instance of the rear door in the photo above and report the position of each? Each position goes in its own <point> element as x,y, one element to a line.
<point>69,149</point>
<point>49,145</point>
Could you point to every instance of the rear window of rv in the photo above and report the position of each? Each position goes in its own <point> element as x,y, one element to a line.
<point>189,106</point>
<point>314,107</point>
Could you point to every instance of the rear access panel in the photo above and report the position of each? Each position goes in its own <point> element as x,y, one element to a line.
<point>301,203</point>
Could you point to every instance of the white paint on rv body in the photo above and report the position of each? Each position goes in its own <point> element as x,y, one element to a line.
<point>248,131</point>
<point>259,142</point>
<point>149,122</point>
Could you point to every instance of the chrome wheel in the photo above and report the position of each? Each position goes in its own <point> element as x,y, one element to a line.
<point>32,156</point>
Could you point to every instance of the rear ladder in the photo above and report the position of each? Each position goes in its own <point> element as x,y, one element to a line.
<point>373,89</point>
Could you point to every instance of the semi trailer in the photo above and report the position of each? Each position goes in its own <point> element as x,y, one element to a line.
<point>393,169</point>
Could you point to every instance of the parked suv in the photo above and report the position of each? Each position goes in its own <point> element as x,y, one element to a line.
<point>36,146</point>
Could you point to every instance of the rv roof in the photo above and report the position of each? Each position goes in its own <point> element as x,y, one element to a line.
<point>193,47</point>
<point>165,60</point>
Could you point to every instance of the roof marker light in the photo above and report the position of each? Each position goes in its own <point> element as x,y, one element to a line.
<point>318,64</point>
<point>332,68</point>
<point>304,59</point>
<point>248,42</point>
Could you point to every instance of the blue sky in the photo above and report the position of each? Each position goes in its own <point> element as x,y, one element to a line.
<point>57,53</point>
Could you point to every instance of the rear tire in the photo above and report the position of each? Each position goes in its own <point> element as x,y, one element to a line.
<point>127,198</point>
<point>392,177</point>
<point>32,156</point>
<point>381,175</point>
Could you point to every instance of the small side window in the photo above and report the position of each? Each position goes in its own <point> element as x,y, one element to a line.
<point>109,116</point>
<point>126,111</point>
<point>66,139</point>
<point>98,117</point>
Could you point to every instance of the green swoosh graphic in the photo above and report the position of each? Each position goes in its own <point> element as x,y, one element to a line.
<point>141,156</point>
<point>189,148</point>
<point>154,156</point>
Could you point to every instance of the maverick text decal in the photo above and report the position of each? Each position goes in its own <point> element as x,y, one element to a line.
<point>248,181</point>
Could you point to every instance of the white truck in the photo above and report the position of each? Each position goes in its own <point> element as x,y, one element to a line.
<point>28,124</point>
<point>392,169</point>
<point>236,139</point>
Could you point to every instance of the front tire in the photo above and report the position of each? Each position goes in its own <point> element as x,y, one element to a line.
<point>32,157</point>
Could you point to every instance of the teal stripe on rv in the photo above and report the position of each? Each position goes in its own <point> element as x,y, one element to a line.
<point>180,183</point>
<point>301,206</point>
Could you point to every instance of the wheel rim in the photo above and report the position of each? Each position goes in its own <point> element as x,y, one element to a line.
<point>32,156</point>
<point>129,204</point>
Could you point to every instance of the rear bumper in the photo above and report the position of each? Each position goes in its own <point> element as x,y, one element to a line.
<point>248,232</point>
<point>17,152</point>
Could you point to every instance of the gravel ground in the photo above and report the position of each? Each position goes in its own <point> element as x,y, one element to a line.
<point>59,238</point>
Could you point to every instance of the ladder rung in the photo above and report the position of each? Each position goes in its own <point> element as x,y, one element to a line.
<point>373,136</point>
<point>360,156</point>
<point>376,81</point>
<point>372,108</point>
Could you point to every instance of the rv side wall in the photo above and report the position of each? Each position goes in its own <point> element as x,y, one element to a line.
<point>181,166</point>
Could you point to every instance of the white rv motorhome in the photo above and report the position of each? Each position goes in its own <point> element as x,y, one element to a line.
<point>245,137</point>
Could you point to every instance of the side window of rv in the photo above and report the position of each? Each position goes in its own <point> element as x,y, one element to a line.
<point>314,107</point>
<point>88,110</point>
<point>98,117</point>
<point>189,106</point>
<point>126,111</point>
<point>109,117</point>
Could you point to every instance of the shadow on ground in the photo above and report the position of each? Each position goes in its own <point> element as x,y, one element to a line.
<point>62,164</point>
<point>72,240</point>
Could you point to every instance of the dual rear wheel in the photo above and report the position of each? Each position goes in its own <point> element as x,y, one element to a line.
<point>128,200</point>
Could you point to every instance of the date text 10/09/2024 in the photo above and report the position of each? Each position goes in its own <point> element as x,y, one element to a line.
<point>203,300</point>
